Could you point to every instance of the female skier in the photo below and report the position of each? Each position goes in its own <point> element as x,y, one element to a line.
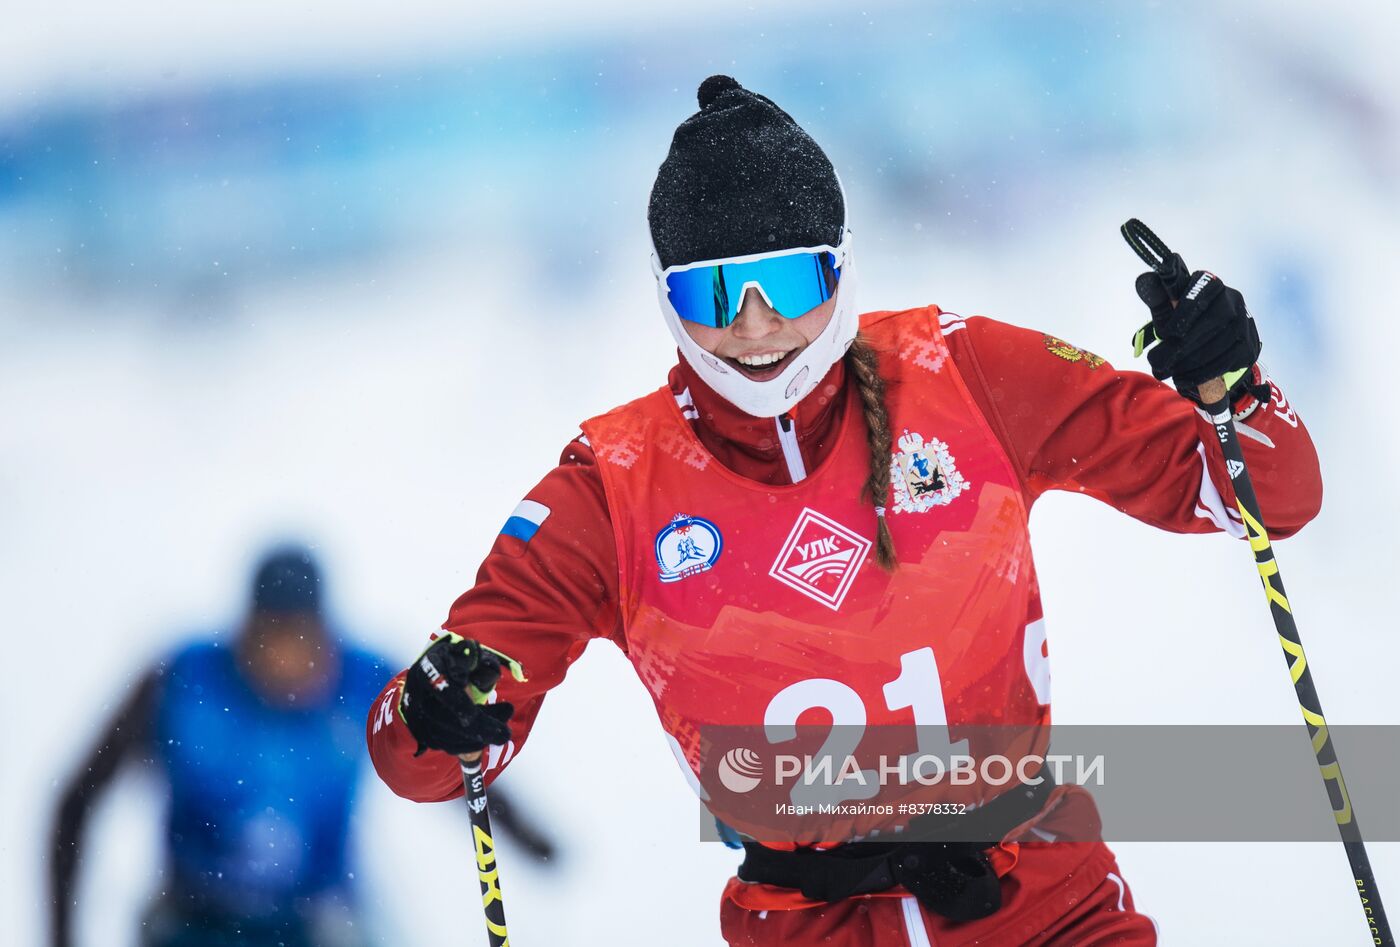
<point>825,513</point>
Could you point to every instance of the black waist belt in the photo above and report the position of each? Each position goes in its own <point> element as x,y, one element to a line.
<point>941,860</point>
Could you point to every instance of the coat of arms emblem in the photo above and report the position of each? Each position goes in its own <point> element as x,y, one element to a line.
<point>1072,353</point>
<point>923,474</point>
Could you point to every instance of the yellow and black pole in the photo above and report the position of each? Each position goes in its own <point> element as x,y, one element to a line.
<point>1215,400</point>
<point>484,843</point>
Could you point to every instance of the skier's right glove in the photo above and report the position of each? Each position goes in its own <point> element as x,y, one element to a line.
<point>444,697</point>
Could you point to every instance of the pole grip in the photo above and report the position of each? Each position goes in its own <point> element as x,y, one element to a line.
<point>1213,394</point>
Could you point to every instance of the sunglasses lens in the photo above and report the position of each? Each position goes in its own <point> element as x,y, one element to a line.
<point>794,285</point>
<point>701,296</point>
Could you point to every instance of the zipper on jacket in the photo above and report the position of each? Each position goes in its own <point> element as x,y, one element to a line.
<point>787,437</point>
<point>914,927</point>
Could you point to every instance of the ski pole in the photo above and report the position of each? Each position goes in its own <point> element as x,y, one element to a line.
<point>1216,401</point>
<point>474,780</point>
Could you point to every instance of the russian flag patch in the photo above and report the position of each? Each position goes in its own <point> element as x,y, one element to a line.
<point>526,521</point>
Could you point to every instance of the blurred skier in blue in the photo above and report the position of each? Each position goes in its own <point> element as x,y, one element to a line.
<point>260,743</point>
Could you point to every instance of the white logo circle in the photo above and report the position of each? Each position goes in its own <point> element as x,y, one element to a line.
<point>740,769</point>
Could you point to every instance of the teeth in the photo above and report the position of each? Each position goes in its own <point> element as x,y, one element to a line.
<point>758,361</point>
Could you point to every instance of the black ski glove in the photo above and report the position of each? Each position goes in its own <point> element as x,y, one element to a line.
<point>1207,334</point>
<point>444,696</point>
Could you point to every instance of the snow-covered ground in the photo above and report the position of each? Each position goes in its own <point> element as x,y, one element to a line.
<point>394,411</point>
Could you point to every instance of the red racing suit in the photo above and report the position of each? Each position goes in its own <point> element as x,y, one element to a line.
<point>690,534</point>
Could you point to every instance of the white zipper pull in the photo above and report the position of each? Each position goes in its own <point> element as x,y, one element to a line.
<point>787,437</point>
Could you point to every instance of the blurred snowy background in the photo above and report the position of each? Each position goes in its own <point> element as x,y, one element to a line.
<point>356,275</point>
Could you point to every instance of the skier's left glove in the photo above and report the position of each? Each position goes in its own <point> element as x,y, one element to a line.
<point>444,700</point>
<point>1202,330</point>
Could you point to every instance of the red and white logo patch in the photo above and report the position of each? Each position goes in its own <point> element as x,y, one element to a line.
<point>820,558</point>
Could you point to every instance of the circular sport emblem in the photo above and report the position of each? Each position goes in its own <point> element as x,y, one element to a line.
<point>686,546</point>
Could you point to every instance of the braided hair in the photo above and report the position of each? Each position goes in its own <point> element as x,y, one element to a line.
<point>864,364</point>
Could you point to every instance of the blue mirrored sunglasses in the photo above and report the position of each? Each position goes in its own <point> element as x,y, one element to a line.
<point>794,282</point>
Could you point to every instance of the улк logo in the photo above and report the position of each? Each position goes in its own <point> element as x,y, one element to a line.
<point>740,769</point>
<point>820,558</point>
<point>686,546</point>
<point>923,475</point>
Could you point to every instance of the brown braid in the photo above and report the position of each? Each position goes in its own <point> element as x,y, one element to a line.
<point>864,363</point>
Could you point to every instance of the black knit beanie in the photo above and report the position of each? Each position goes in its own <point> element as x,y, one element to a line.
<point>287,580</point>
<point>742,177</point>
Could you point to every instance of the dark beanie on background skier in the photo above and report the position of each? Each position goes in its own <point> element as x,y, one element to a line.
<point>287,580</point>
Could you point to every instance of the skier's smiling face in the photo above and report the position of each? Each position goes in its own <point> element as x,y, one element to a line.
<point>760,343</point>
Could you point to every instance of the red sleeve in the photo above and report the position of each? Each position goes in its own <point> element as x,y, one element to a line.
<point>1070,421</point>
<point>540,600</point>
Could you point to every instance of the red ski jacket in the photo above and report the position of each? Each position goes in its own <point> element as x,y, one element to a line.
<point>1066,419</point>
